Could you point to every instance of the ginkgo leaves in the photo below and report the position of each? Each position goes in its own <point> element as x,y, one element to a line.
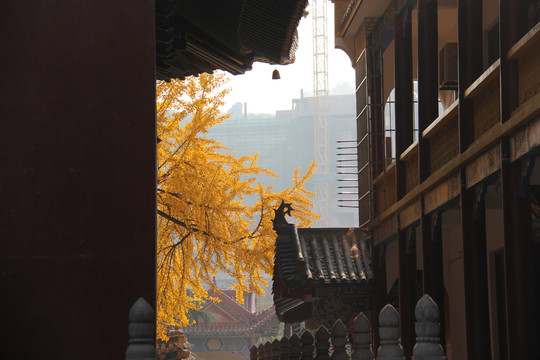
<point>204,222</point>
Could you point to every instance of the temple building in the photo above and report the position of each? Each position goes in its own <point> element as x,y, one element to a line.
<point>232,329</point>
<point>78,135</point>
<point>448,186</point>
<point>320,274</point>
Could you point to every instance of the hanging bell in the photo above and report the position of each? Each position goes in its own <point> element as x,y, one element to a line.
<point>275,75</point>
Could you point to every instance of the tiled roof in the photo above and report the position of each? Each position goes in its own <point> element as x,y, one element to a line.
<point>247,323</point>
<point>204,35</point>
<point>261,324</point>
<point>322,256</point>
<point>283,305</point>
<point>308,260</point>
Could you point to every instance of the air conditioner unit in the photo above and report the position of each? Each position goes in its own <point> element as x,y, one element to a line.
<point>448,69</point>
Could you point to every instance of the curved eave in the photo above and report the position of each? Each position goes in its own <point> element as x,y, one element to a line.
<point>205,35</point>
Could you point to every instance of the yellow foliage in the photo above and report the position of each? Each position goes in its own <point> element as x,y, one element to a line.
<point>203,224</point>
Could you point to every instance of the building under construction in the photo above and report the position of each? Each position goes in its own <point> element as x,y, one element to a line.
<point>286,141</point>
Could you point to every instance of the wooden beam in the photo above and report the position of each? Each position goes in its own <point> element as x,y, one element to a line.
<point>445,191</point>
<point>483,166</point>
<point>489,75</point>
<point>410,214</point>
<point>299,313</point>
<point>409,152</point>
<point>519,118</point>
<point>441,120</point>
<point>527,40</point>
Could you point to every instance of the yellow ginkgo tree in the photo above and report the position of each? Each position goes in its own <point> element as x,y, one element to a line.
<point>205,223</point>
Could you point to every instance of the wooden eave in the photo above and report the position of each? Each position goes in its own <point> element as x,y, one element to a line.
<point>204,35</point>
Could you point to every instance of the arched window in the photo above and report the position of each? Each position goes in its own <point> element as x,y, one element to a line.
<point>390,122</point>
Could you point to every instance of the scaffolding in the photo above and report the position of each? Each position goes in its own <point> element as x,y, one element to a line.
<point>320,108</point>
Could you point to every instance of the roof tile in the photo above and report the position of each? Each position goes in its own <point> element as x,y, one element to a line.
<point>326,256</point>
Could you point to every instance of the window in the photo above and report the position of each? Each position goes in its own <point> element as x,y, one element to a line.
<point>390,122</point>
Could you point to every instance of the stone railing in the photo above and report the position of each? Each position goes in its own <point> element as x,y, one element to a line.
<point>316,345</point>
<point>142,332</point>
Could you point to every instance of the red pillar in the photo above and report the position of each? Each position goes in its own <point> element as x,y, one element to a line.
<point>522,311</point>
<point>469,63</point>
<point>473,232</point>
<point>379,299</point>
<point>428,88</point>
<point>473,220</point>
<point>77,175</point>
<point>522,314</point>
<point>404,93</point>
<point>512,26</point>
<point>407,289</point>
<point>433,264</point>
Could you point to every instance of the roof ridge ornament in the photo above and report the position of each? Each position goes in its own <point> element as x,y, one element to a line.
<point>279,215</point>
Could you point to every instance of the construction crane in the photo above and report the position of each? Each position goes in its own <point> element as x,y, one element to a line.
<point>320,109</point>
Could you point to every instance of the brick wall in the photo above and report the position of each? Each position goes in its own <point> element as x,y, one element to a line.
<point>412,177</point>
<point>529,74</point>
<point>386,189</point>
<point>486,108</point>
<point>444,145</point>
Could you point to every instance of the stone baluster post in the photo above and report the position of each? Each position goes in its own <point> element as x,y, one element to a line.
<point>427,330</point>
<point>294,342</point>
<point>142,332</point>
<point>253,353</point>
<point>276,349</point>
<point>321,344</point>
<point>390,348</point>
<point>361,338</point>
<point>307,346</point>
<point>339,341</point>
<point>284,348</point>
<point>267,351</point>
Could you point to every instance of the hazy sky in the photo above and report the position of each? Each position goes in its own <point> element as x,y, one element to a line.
<point>264,95</point>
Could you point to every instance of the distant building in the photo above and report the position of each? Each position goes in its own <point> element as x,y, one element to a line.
<point>234,329</point>
<point>285,141</point>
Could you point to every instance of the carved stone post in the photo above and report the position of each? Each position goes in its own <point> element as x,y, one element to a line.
<point>284,348</point>
<point>361,338</point>
<point>267,351</point>
<point>339,341</point>
<point>142,332</point>
<point>427,329</point>
<point>276,349</point>
<point>321,344</point>
<point>294,341</point>
<point>390,348</point>
<point>253,353</point>
<point>307,347</point>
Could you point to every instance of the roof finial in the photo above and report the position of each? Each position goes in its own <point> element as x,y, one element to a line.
<point>279,218</point>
